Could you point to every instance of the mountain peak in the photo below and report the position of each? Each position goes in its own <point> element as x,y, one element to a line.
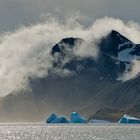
<point>119,38</point>
<point>115,42</point>
<point>61,46</point>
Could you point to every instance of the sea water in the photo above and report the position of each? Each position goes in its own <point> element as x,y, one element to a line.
<point>69,132</point>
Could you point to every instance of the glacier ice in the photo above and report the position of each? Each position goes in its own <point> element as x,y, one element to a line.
<point>76,118</point>
<point>98,121</point>
<point>53,118</point>
<point>129,119</point>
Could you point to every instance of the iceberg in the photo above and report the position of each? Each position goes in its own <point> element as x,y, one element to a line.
<point>98,121</point>
<point>129,119</point>
<point>76,118</point>
<point>53,118</point>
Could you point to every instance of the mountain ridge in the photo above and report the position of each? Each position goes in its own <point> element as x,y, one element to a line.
<point>92,84</point>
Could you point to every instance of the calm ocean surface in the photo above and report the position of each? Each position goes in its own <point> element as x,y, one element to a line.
<point>69,132</point>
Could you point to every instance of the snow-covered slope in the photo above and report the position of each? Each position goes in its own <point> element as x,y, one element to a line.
<point>127,51</point>
<point>117,53</point>
<point>122,50</point>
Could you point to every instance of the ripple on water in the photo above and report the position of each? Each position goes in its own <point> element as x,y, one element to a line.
<point>70,132</point>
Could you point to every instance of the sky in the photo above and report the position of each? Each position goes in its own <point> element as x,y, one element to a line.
<point>14,13</point>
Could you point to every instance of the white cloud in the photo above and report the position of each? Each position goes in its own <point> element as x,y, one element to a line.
<point>25,53</point>
<point>131,74</point>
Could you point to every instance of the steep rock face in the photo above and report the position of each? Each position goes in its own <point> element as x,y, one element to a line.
<point>66,44</point>
<point>117,54</point>
<point>116,45</point>
<point>90,85</point>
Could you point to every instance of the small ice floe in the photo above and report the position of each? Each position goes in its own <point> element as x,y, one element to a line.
<point>129,119</point>
<point>98,121</point>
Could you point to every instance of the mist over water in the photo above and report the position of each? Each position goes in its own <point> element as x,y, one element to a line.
<point>25,53</point>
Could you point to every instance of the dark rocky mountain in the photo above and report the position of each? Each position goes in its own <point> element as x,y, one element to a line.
<point>90,86</point>
<point>114,115</point>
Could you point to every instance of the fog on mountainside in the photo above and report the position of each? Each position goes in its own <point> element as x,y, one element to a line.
<point>53,67</point>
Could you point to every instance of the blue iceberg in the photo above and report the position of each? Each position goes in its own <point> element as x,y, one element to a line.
<point>53,118</point>
<point>129,119</point>
<point>76,118</point>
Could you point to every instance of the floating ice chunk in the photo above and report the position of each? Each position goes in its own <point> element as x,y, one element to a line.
<point>76,118</point>
<point>53,118</point>
<point>128,119</point>
<point>98,121</point>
